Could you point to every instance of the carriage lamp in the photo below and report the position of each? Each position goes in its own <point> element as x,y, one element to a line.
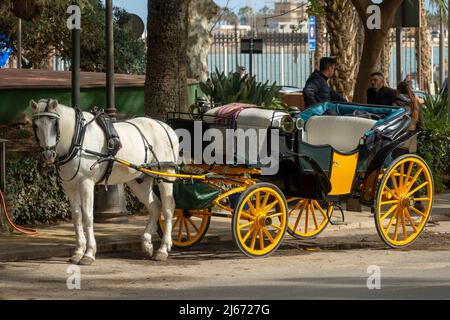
<point>287,124</point>
<point>300,124</point>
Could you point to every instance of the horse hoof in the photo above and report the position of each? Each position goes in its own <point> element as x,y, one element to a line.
<point>148,250</point>
<point>86,261</point>
<point>161,256</point>
<point>76,258</point>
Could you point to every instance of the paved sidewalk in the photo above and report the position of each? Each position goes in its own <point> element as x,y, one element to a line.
<point>58,240</point>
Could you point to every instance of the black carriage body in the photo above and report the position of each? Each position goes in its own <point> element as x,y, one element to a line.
<point>313,169</point>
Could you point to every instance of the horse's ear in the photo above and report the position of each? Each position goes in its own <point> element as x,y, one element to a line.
<point>53,104</point>
<point>33,105</point>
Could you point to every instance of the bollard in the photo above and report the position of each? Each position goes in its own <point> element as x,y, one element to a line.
<point>111,205</point>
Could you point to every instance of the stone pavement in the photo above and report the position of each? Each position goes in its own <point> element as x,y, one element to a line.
<point>58,240</point>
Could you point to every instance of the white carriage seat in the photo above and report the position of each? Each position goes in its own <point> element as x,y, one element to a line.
<point>343,133</point>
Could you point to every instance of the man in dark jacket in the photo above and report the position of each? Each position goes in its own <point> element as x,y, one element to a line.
<point>317,89</point>
<point>378,93</point>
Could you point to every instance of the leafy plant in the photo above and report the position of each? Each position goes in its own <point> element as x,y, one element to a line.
<point>224,89</point>
<point>434,140</point>
<point>36,196</point>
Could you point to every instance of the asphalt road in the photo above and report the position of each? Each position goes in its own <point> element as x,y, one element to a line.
<point>316,270</point>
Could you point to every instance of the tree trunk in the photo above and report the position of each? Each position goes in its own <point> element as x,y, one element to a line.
<point>320,39</point>
<point>384,62</point>
<point>166,78</point>
<point>200,38</point>
<point>342,24</point>
<point>424,46</point>
<point>373,42</point>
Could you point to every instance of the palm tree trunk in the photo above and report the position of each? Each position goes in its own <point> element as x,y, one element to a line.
<point>342,24</point>
<point>423,45</point>
<point>320,39</point>
<point>166,79</point>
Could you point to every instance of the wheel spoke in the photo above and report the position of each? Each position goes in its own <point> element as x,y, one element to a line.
<point>299,216</point>
<point>408,174</point>
<point>271,206</point>
<point>193,224</point>
<point>245,225</point>
<point>389,212</point>
<point>313,213</point>
<point>188,233</point>
<point>261,240</point>
<point>414,179</point>
<point>405,235</point>
<point>394,181</point>
<point>396,225</point>
<point>251,207</point>
<point>247,235</point>
<point>268,235</point>
<point>274,215</point>
<point>297,206</point>
<point>264,203</point>
<point>180,231</point>
<point>391,192</point>
<point>258,201</point>
<point>320,209</point>
<point>411,222</point>
<point>307,219</point>
<point>418,212</point>
<point>176,222</point>
<point>402,172</point>
<point>421,199</point>
<point>275,226</point>
<point>389,226</point>
<point>388,202</point>
<point>246,215</point>
<point>252,244</point>
<point>417,189</point>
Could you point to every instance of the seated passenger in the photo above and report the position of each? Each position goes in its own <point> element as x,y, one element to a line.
<point>378,93</point>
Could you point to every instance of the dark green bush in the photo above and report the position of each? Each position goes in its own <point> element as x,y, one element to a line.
<point>35,196</point>
<point>434,140</point>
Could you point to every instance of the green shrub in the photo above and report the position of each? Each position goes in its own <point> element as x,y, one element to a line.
<point>224,89</point>
<point>434,140</point>
<point>36,196</point>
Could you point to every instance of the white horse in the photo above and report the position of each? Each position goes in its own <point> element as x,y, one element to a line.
<point>55,126</point>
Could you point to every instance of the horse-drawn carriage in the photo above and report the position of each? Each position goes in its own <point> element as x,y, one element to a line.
<point>328,154</point>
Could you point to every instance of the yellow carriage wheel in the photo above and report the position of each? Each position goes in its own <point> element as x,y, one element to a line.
<point>260,220</point>
<point>189,227</point>
<point>307,218</point>
<point>404,201</point>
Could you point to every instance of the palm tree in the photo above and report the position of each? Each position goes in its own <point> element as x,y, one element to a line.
<point>167,41</point>
<point>246,13</point>
<point>342,24</point>
<point>424,47</point>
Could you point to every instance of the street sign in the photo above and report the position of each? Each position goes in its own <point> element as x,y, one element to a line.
<point>312,33</point>
<point>408,15</point>
<point>251,46</point>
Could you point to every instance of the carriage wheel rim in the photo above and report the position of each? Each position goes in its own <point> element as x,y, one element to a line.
<point>311,212</point>
<point>261,221</point>
<point>187,229</point>
<point>399,220</point>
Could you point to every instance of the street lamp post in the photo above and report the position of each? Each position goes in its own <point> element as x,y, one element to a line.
<point>110,97</point>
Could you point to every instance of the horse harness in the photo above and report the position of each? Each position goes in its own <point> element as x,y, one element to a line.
<point>112,139</point>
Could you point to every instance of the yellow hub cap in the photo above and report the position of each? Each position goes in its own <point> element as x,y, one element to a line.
<point>404,201</point>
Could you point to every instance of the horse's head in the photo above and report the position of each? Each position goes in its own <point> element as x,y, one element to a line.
<point>46,127</point>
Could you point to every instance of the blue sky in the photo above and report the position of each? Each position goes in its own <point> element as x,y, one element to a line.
<point>139,7</point>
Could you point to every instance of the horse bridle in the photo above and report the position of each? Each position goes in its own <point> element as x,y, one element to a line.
<point>47,114</point>
<point>78,137</point>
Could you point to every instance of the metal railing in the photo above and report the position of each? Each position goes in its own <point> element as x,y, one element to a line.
<point>287,61</point>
